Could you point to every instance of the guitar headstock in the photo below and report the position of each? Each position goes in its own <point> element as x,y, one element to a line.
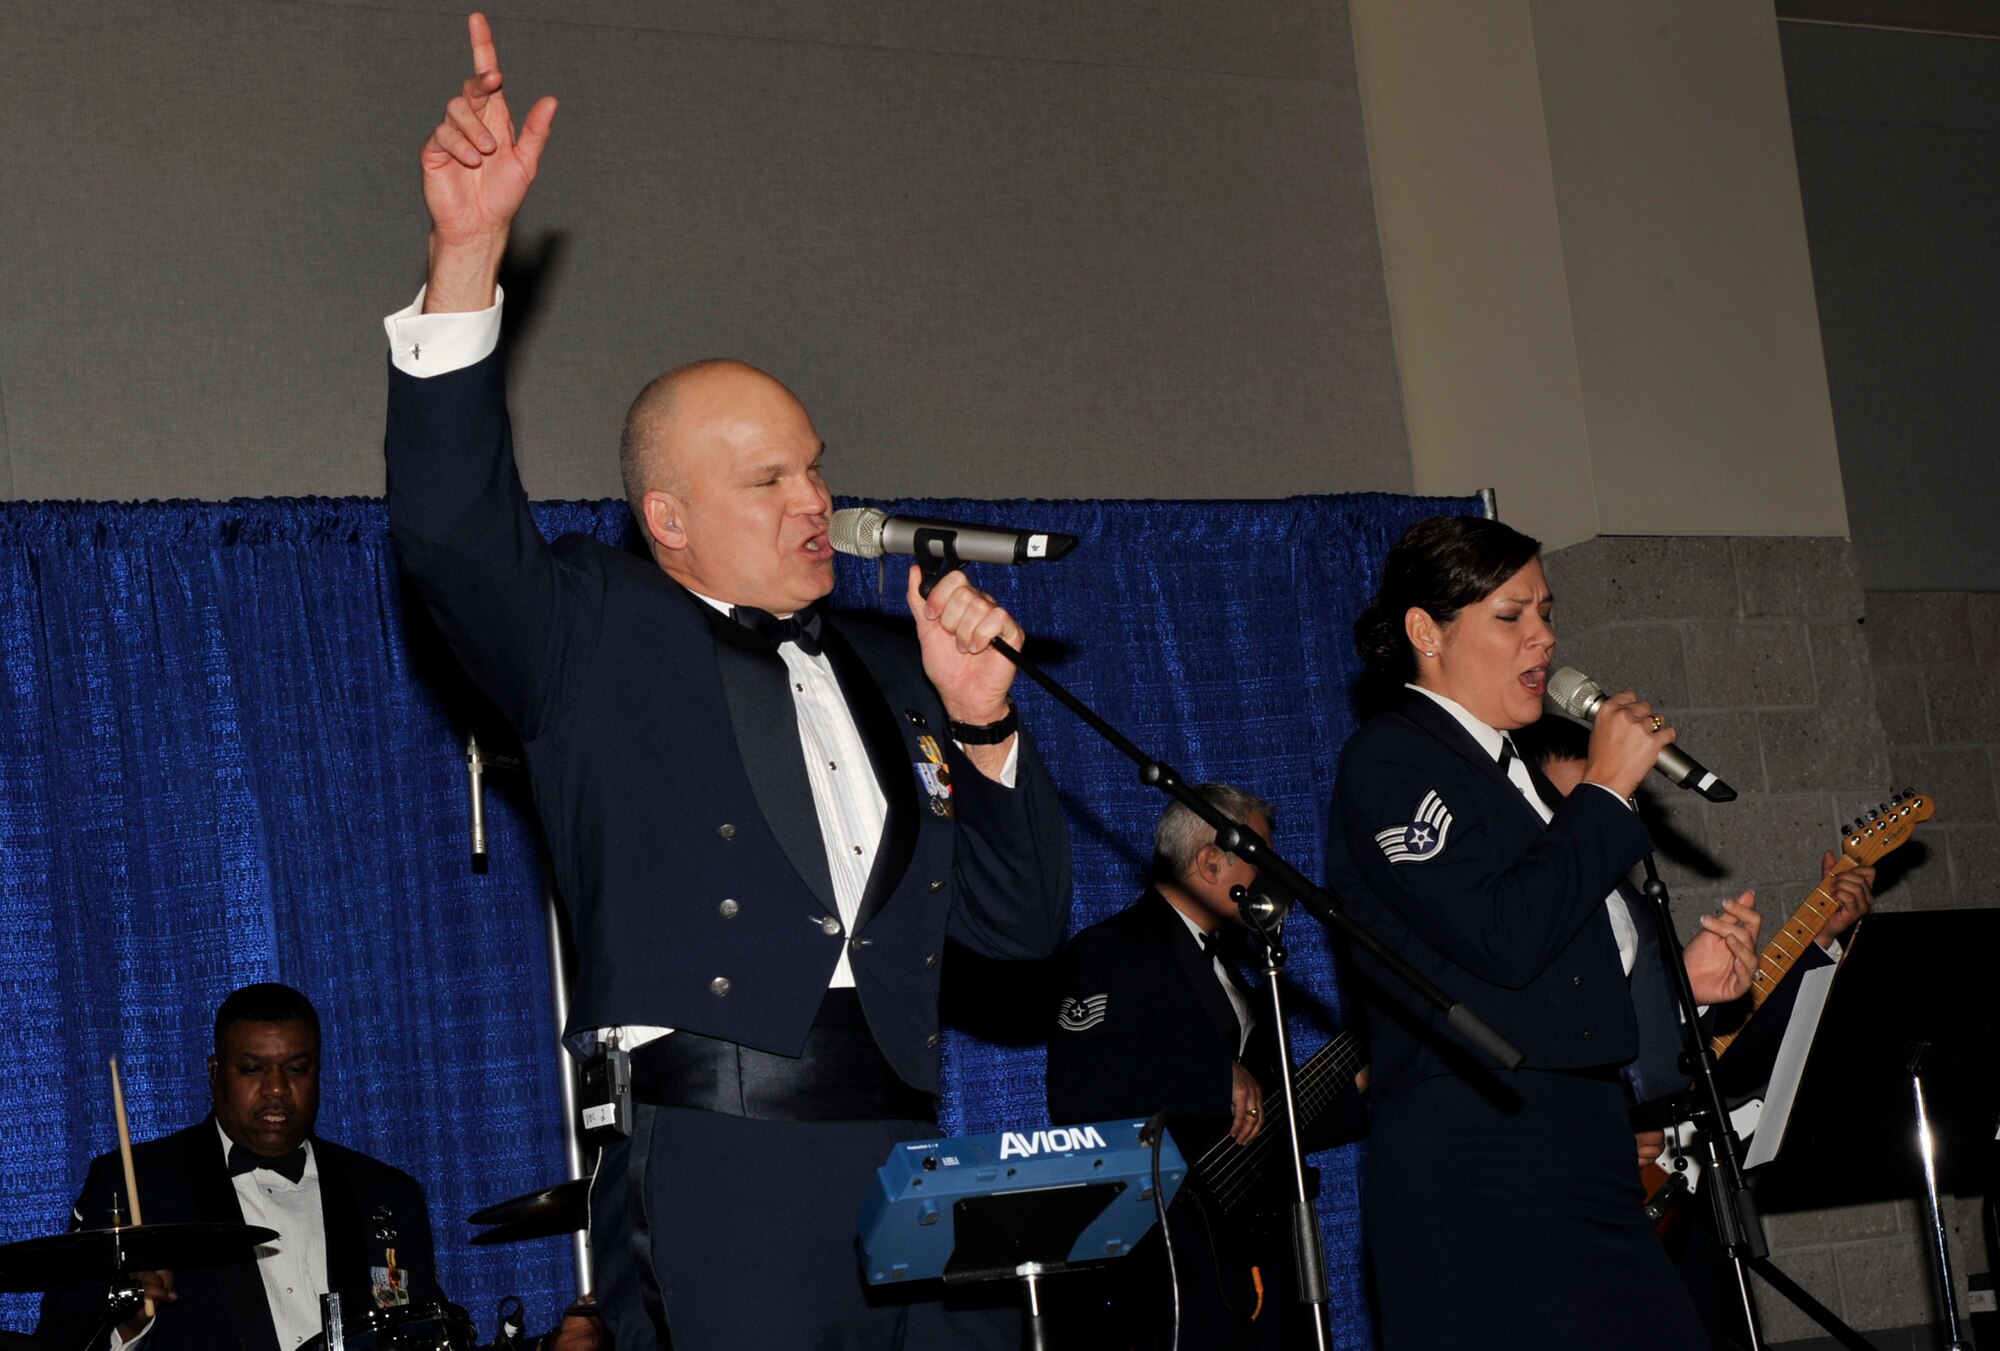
<point>1886,827</point>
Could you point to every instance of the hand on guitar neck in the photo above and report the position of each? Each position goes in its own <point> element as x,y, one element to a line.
<point>1845,894</point>
<point>1850,886</point>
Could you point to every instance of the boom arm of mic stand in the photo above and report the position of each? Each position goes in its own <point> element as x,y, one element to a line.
<point>1252,848</point>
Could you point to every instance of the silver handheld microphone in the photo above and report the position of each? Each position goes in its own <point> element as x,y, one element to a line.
<point>1581,697</point>
<point>870,532</point>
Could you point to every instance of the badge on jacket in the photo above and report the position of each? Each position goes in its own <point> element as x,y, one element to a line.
<point>1080,1015</point>
<point>390,1283</point>
<point>1423,838</point>
<point>935,775</point>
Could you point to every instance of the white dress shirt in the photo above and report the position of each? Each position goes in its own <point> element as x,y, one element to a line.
<point>293,1269</point>
<point>1491,740</point>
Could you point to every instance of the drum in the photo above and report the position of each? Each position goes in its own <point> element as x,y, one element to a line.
<point>408,1327</point>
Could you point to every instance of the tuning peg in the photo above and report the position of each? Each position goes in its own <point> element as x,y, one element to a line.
<point>1872,813</point>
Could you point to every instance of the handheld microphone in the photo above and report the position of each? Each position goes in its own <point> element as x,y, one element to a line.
<point>477,761</point>
<point>475,783</point>
<point>1581,697</point>
<point>870,532</point>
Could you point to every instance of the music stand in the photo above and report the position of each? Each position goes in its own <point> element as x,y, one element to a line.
<point>1912,1012</point>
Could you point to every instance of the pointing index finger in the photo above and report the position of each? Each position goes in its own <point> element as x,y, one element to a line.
<point>484,57</point>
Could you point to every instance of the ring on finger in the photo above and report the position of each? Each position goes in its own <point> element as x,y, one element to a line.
<point>1658,722</point>
<point>1251,1111</point>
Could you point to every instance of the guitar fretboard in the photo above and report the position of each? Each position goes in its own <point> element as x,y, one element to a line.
<point>1231,1170</point>
<point>1787,945</point>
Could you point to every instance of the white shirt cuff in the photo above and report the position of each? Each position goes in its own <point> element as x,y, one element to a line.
<point>118,1343</point>
<point>1006,779</point>
<point>437,344</point>
<point>1624,802</point>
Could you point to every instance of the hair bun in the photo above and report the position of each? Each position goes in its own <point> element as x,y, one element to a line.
<point>1376,637</point>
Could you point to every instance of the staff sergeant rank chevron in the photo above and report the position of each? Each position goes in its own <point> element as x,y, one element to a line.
<point>1423,838</point>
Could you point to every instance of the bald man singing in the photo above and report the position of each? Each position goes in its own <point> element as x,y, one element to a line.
<point>766,822</point>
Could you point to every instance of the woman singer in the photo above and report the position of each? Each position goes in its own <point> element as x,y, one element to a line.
<point>1503,1208</point>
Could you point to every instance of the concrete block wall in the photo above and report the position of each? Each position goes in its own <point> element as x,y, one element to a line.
<point>1815,701</point>
<point>1936,660</point>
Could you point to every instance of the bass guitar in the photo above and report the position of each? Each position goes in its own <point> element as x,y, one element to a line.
<point>1243,1192</point>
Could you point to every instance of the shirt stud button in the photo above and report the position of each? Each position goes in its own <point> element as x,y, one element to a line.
<point>729,909</point>
<point>720,987</point>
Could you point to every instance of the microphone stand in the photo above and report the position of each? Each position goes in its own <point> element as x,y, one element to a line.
<point>1264,910</point>
<point>1265,913</point>
<point>1738,1226</point>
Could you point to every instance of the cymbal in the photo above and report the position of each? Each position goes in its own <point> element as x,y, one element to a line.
<point>90,1254</point>
<point>561,1209</point>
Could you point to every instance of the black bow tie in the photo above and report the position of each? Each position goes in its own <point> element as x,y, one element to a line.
<point>290,1167</point>
<point>1213,949</point>
<point>801,626</point>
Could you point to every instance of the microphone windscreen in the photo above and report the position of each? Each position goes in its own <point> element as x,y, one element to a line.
<point>1575,693</point>
<point>857,531</point>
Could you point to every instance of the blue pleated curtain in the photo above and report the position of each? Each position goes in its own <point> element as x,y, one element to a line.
<point>231,749</point>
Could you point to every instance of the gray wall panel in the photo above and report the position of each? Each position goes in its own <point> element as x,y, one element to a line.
<point>987,267</point>
<point>1898,138</point>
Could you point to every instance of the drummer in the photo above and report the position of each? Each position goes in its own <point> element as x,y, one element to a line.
<point>345,1222</point>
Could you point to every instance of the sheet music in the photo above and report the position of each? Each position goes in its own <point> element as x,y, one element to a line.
<point>1792,1052</point>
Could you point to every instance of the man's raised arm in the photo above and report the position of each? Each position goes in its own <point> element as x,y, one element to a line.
<point>477,172</point>
<point>457,512</point>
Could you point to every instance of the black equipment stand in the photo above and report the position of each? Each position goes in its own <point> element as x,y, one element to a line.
<point>1024,1236</point>
<point>1279,886</point>
<point>1264,915</point>
<point>1738,1227</point>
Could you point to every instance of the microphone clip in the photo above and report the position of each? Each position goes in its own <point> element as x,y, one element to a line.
<point>938,565</point>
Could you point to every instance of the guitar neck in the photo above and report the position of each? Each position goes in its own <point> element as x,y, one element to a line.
<point>1791,942</point>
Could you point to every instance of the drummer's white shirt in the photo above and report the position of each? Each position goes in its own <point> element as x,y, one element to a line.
<point>294,1268</point>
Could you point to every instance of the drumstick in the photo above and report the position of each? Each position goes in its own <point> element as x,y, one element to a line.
<point>125,1156</point>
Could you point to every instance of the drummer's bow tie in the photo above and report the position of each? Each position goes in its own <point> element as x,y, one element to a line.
<point>290,1167</point>
<point>801,627</point>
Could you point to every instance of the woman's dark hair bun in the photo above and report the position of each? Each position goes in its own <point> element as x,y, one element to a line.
<point>1377,638</point>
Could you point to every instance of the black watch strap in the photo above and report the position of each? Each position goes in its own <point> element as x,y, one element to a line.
<point>987,734</point>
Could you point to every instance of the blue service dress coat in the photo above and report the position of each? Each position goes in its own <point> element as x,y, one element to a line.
<point>1144,1027</point>
<point>184,1179</point>
<point>664,753</point>
<point>1502,1209</point>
